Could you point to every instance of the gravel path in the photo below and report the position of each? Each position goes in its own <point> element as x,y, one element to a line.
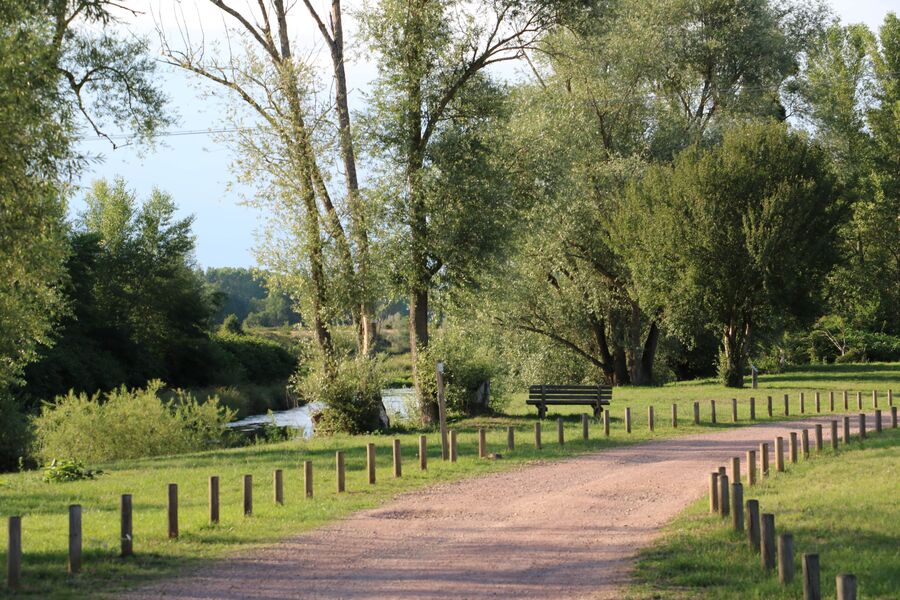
<point>566,529</point>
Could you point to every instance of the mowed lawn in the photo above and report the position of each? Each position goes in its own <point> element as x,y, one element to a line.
<point>43,506</point>
<point>843,506</point>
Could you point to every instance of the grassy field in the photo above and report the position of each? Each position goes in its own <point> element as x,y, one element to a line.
<point>43,506</point>
<point>842,506</point>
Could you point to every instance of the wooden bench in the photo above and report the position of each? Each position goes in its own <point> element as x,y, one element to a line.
<point>543,396</point>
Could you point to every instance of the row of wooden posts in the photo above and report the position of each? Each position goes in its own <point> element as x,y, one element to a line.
<point>760,528</point>
<point>449,452</point>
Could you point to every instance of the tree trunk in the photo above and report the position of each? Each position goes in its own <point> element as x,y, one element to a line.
<point>734,355</point>
<point>642,368</point>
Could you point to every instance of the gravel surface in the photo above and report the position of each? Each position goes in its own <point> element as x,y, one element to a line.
<point>566,529</point>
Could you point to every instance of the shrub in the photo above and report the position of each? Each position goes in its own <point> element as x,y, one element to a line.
<point>15,434</point>
<point>351,397</point>
<point>128,424</point>
<point>260,360</point>
<point>61,471</point>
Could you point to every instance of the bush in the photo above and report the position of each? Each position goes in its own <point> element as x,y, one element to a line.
<point>351,397</point>
<point>15,435</point>
<point>258,359</point>
<point>128,424</point>
<point>61,471</point>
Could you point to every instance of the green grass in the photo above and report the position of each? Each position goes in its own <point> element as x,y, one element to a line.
<point>842,506</point>
<point>43,506</point>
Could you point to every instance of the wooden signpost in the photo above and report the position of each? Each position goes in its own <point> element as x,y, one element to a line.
<point>442,412</point>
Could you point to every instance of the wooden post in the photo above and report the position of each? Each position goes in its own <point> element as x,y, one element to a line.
<point>818,403</point>
<point>510,439</point>
<point>398,461</point>
<point>812,588</point>
<point>453,452</point>
<point>779,454</point>
<point>804,436</point>
<point>769,406</point>
<point>650,417</point>
<point>627,419</point>
<point>878,420</point>
<point>696,413</point>
<point>819,439</point>
<point>370,462</point>
<point>787,404</point>
<point>339,468</point>
<point>606,423</point>
<point>308,477</point>
<point>753,524</point>
<point>802,403</point>
<point>846,401</point>
<point>874,398</point>
<point>442,412</point>
<point>763,459</point>
<point>734,410</point>
<point>737,506</point>
<point>560,431</point>
<point>752,408</point>
<point>831,401</point>
<point>785,558</point>
<point>14,554</point>
<point>126,536</point>
<point>213,500</point>
<point>674,416</point>
<point>74,539</point>
<point>248,495</point>
<point>846,429</point>
<point>751,467</point>
<point>712,412</point>
<point>585,434</point>
<point>724,504</point>
<point>767,541</point>
<point>846,586</point>
<point>893,417</point>
<point>173,511</point>
<point>735,469</point>
<point>862,426</point>
<point>278,486</point>
<point>834,435</point>
<point>537,435</point>
<point>482,442</point>
<point>890,397</point>
<point>714,492</point>
<point>858,400</point>
<point>794,447</point>
<point>423,453</point>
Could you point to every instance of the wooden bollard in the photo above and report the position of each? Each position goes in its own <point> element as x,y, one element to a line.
<point>397,459</point>
<point>339,471</point>
<point>172,511</point>
<point>126,537</point>
<point>794,452</point>
<point>804,442</point>
<point>714,492</point>
<point>278,487</point>
<point>585,434</point>
<point>769,406</point>
<point>674,416</point>
<point>712,412</point>
<point>845,585</point>
<point>627,419</point>
<point>874,398</point>
<point>74,539</point>
<point>767,541</point>
<point>751,467</point>
<point>696,413</point>
<point>834,435</point>
<point>482,442</point>
<point>213,499</point>
<point>878,420</point>
<point>787,405</point>
<point>819,438</point>
<point>248,495</point>
<point>812,588</point>
<point>893,417</point>
<point>831,401</point>
<point>606,423</point>
<point>370,462</point>
<point>862,426</point>
<point>779,454</point>
<point>752,408</point>
<point>858,400</point>
<point>753,524</point>
<point>734,417</point>
<point>724,503</point>
<point>802,403</point>
<point>737,506</point>
<point>763,459</point>
<point>14,554</point>
<point>560,431</point>
<point>308,477</point>
<point>846,429</point>
<point>453,452</point>
<point>537,435</point>
<point>650,417</point>
<point>423,453</point>
<point>510,438</point>
<point>846,400</point>
<point>785,558</point>
<point>735,469</point>
<point>818,403</point>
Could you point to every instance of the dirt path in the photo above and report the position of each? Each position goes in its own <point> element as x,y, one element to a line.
<point>567,529</point>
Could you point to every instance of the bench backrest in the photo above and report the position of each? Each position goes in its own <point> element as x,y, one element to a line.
<point>570,392</point>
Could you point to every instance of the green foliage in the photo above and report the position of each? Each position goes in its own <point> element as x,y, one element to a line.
<point>15,434</point>
<point>231,325</point>
<point>254,358</point>
<point>128,424</point>
<point>62,471</point>
<point>351,396</point>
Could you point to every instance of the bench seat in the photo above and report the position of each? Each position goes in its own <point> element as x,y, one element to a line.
<point>543,396</point>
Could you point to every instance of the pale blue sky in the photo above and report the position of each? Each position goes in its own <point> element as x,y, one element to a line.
<point>194,169</point>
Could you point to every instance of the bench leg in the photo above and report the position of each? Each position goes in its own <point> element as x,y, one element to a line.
<point>542,411</point>
<point>597,410</point>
